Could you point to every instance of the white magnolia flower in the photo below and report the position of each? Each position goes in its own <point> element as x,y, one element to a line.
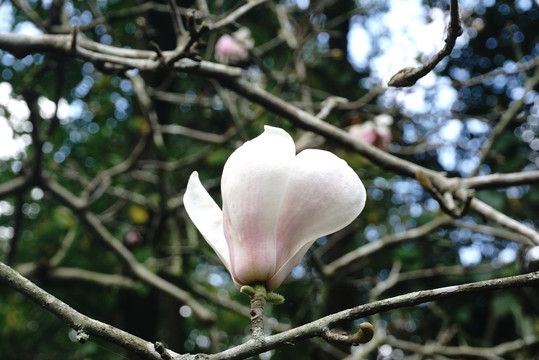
<point>275,205</point>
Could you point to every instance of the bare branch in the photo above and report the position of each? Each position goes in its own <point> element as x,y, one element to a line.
<point>506,118</point>
<point>494,352</point>
<point>520,67</point>
<point>63,274</point>
<point>32,15</point>
<point>14,185</point>
<point>489,230</point>
<point>148,109</point>
<point>177,23</point>
<point>234,15</point>
<point>197,134</point>
<point>329,104</point>
<point>317,327</point>
<point>493,181</point>
<point>376,245</point>
<point>490,213</point>
<point>74,319</point>
<point>139,270</point>
<point>310,122</point>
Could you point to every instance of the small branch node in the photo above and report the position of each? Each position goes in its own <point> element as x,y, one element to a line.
<point>82,336</point>
<point>454,200</point>
<point>364,334</point>
<point>162,351</point>
<point>160,55</point>
<point>74,34</point>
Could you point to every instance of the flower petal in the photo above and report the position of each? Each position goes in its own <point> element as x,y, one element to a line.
<point>323,195</point>
<point>285,269</point>
<point>207,217</point>
<point>253,186</point>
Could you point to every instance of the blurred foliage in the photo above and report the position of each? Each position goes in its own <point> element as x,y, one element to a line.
<point>99,123</point>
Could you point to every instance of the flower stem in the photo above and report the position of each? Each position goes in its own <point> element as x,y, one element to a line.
<point>258,300</point>
<point>259,296</point>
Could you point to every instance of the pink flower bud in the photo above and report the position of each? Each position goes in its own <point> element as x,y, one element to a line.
<point>365,132</point>
<point>228,50</point>
<point>275,205</point>
<point>133,238</point>
<point>376,132</point>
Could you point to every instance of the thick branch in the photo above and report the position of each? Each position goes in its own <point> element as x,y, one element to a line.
<point>73,318</point>
<point>227,75</point>
<point>319,327</point>
<point>112,57</point>
<point>308,121</point>
<point>316,328</point>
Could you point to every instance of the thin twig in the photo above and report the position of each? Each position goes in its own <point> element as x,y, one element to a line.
<point>493,181</point>
<point>489,230</point>
<point>519,67</point>
<point>177,23</point>
<point>494,352</point>
<point>63,274</point>
<point>506,118</point>
<point>376,245</point>
<point>93,222</point>
<point>148,109</point>
<point>31,14</point>
<point>234,15</point>
<point>490,213</point>
<point>409,76</point>
<point>198,134</point>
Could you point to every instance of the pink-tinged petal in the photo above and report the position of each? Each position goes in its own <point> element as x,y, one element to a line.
<point>365,132</point>
<point>254,181</point>
<point>228,49</point>
<point>285,269</point>
<point>384,138</point>
<point>323,195</point>
<point>207,217</point>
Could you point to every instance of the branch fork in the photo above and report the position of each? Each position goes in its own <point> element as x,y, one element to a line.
<point>453,197</point>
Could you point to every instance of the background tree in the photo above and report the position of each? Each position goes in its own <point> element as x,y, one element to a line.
<point>106,108</point>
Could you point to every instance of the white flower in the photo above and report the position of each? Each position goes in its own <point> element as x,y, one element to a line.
<point>275,205</point>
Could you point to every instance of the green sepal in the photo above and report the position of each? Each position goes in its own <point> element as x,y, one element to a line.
<point>274,298</point>
<point>247,290</point>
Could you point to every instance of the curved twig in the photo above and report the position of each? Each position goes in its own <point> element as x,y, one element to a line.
<point>409,76</point>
